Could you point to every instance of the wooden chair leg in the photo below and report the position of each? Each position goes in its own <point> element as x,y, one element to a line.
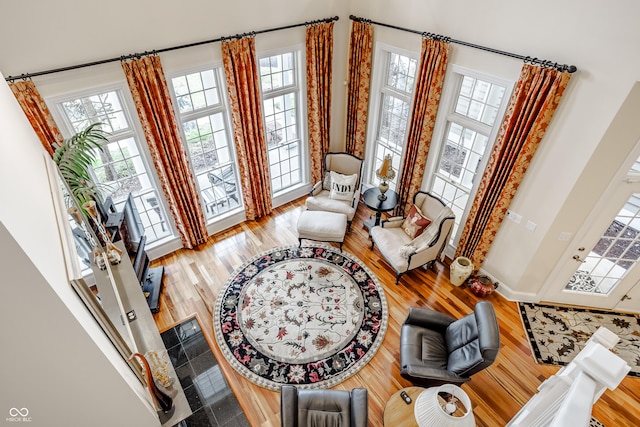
<point>398,277</point>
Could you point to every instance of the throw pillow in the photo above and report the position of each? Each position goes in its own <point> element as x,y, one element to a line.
<point>342,186</point>
<point>415,223</point>
<point>326,182</point>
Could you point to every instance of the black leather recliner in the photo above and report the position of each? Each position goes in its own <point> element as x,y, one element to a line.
<point>436,349</point>
<point>318,408</point>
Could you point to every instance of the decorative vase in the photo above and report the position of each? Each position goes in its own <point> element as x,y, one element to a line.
<point>159,362</point>
<point>163,401</point>
<point>113,254</point>
<point>460,270</point>
<point>481,286</point>
<point>383,187</point>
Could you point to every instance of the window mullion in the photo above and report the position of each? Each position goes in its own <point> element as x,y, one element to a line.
<point>470,124</point>
<point>281,91</point>
<point>204,112</point>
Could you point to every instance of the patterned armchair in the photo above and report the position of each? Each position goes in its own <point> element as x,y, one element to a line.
<point>403,246</point>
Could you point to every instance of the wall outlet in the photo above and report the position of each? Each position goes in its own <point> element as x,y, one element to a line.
<point>531,226</point>
<point>514,217</point>
<point>564,235</point>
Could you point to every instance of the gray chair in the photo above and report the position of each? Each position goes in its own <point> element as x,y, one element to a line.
<point>437,349</point>
<point>224,178</point>
<point>323,408</point>
<point>320,196</point>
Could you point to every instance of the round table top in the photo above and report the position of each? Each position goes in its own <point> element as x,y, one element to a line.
<point>397,413</point>
<point>370,198</point>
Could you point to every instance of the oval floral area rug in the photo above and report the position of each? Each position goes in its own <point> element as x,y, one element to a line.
<point>309,316</point>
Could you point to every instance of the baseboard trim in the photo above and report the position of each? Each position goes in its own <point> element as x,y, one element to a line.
<point>508,293</point>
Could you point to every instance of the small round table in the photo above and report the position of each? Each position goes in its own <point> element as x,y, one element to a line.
<point>370,198</point>
<point>397,413</point>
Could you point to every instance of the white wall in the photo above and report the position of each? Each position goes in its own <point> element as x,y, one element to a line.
<point>600,38</point>
<point>68,32</point>
<point>56,361</point>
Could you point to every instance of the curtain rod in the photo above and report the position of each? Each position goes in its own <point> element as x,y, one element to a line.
<point>167,49</point>
<point>550,64</point>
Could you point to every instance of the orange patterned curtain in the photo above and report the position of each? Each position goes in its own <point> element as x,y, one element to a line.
<point>243,85</point>
<point>38,114</point>
<point>151,96</point>
<point>433,65</point>
<point>360,53</point>
<point>319,40</point>
<point>528,115</point>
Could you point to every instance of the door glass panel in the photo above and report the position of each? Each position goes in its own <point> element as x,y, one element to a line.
<point>615,253</point>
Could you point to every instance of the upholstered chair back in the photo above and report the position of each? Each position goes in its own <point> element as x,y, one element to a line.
<point>473,341</point>
<point>323,408</point>
<point>436,348</point>
<point>430,206</point>
<point>343,163</point>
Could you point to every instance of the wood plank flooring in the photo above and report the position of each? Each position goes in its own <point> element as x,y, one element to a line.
<point>193,279</point>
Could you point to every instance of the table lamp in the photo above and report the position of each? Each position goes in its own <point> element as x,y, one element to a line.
<point>444,406</point>
<point>385,174</point>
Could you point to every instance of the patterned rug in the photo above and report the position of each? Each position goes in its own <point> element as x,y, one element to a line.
<point>310,316</point>
<point>558,334</point>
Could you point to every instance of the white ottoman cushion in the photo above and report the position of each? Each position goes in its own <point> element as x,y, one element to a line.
<point>322,226</point>
<point>322,202</point>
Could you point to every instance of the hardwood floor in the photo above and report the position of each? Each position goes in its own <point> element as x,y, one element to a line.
<point>193,279</point>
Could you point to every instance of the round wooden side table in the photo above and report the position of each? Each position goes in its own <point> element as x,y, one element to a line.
<point>397,413</point>
<point>370,198</point>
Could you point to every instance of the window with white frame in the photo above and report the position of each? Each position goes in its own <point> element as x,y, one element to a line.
<point>396,84</point>
<point>202,112</point>
<point>280,81</point>
<point>121,167</point>
<point>473,109</point>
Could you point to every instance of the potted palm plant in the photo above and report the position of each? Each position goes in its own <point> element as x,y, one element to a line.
<point>74,157</point>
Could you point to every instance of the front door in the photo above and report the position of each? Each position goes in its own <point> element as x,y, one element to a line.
<point>602,268</point>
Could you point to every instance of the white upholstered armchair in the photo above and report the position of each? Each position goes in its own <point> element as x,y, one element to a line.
<point>339,191</point>
<point>418,239</point>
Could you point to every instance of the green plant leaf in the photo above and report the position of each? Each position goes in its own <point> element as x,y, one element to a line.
<point>75,157</point>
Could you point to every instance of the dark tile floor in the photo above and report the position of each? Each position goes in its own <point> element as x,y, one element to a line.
<point>209,395</point>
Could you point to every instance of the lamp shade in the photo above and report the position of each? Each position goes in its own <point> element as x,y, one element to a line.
<point>386,172</point>
<point>447,405</point>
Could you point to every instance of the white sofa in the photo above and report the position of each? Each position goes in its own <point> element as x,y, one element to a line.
<point>404,253</point>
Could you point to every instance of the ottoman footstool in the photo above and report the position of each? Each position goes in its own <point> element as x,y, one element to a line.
<point>322,226</point>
